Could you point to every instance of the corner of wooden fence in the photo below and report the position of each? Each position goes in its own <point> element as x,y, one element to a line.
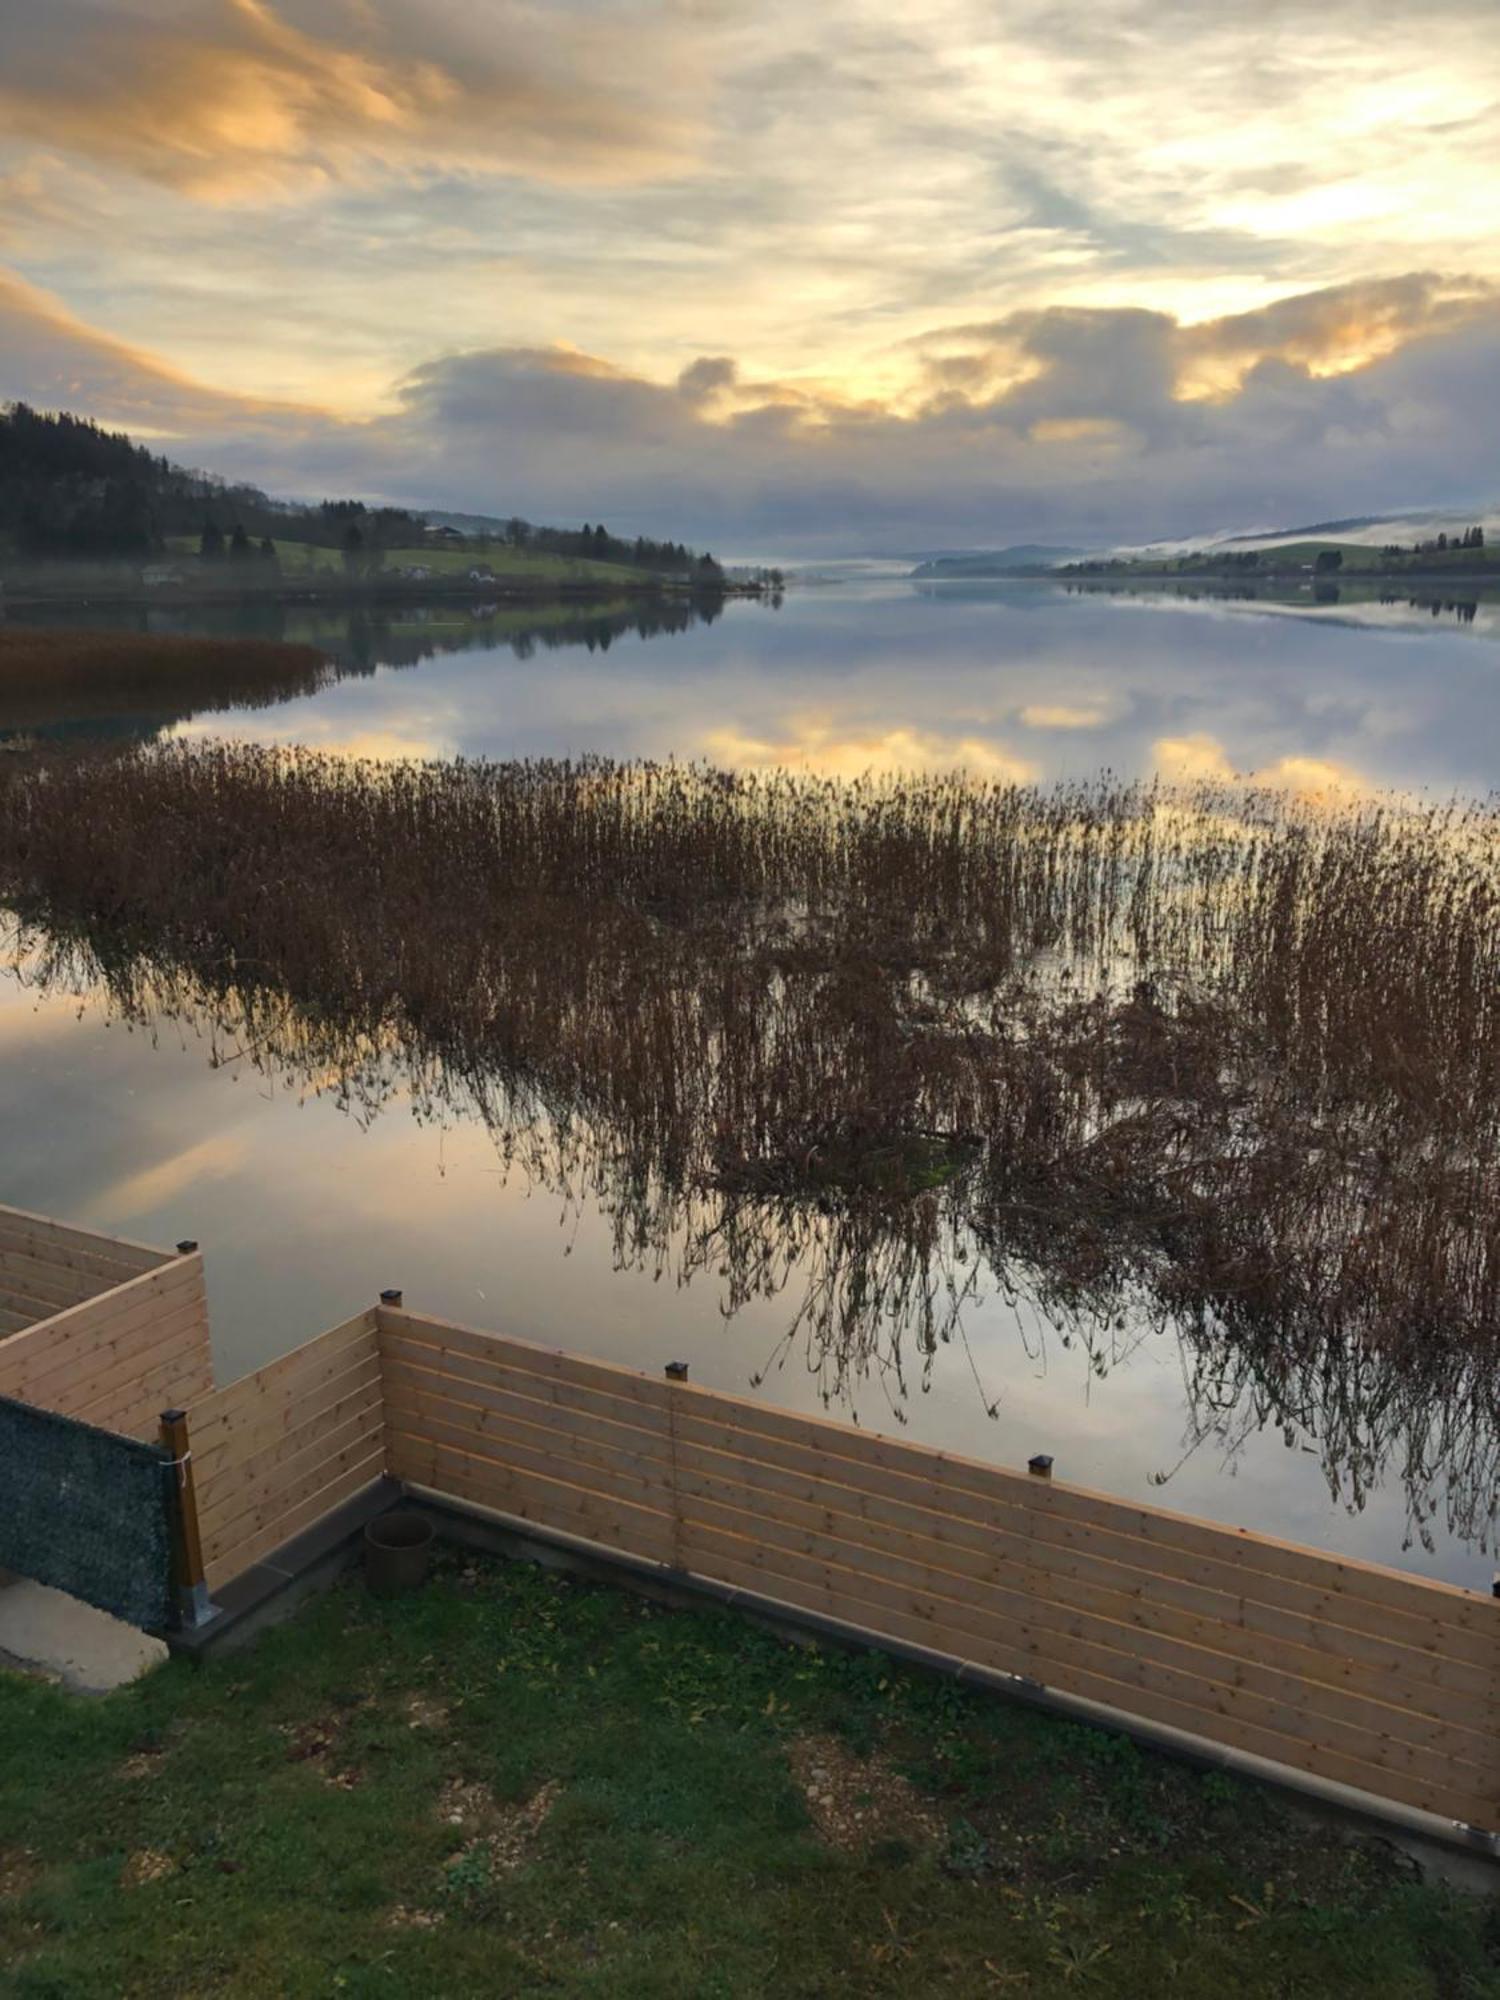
<point>189,1577</point>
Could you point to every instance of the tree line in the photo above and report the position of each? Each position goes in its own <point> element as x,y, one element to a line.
<point>1471,538</point>
<point>71,489</point>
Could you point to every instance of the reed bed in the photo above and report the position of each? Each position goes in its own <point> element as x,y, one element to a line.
<point>49,675</point>
<point>1208,1057</point>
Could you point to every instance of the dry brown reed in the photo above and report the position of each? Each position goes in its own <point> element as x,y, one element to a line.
<point>1215,1056</point>
<point>50,675</point>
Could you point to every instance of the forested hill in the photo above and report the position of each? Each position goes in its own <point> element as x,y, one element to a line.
<point>69,488</point>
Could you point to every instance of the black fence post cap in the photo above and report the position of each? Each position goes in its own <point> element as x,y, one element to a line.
<point>186,1247</point>
<point>677,1371</point>
<point>390,1298</point>
<point>1040,1467</point>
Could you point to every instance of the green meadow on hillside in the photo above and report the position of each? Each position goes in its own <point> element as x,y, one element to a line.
<point>506,565</point>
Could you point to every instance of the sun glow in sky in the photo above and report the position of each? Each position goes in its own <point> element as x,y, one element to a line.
<point>1073,265</point>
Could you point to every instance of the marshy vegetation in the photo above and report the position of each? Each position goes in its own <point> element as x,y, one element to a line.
<point>1213,1059</point>
<point>50,675</point>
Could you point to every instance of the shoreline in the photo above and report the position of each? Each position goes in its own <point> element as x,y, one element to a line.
<point>1244,579</point>
<point>397,591</point>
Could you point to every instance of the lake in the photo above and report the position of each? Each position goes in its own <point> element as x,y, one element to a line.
<point>308,1201</point>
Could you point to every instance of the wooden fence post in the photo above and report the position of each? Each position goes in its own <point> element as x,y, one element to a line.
<point>193,1606</point>
<point>675,1371</point>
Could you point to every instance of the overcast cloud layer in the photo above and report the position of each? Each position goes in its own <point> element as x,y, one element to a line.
<point>771,277</point>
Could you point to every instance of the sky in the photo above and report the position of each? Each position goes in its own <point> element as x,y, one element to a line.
<point>856,277</point>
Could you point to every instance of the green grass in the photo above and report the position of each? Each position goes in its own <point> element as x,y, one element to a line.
<point>272,1825</point>
<point>506,565</point>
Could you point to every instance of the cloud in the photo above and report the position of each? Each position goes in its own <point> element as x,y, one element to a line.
<point>152,1187</point>
<point>817,743</point>
<point>234,101</point>
<point>1090,426</point>
<point>1203,758</point>
<point>707,377</point>
<point>1095,362</point>
<point>1067,715</point>
<point>1094,427</point>
<point>50,357</point>
<point>793,193</point>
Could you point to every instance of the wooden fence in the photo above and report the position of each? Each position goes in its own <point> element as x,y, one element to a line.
<point>273,1453</point>
<point>98,1328</point>
<point>47,1266</point>
<point>1330,1668</point>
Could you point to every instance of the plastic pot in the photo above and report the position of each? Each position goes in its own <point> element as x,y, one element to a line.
<point>396,1550</point>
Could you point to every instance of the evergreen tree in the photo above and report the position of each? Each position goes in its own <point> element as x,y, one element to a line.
<point>211,541</point>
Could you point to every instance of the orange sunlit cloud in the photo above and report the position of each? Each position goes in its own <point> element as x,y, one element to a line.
<point>1204,758</point>
<point>818,744</point>
<point>235,101</point>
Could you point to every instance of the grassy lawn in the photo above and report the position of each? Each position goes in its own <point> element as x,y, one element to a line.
<point>519,1784</point>
<point>505,564</point>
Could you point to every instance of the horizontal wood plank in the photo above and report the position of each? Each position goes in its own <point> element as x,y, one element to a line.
<point>51,1229</point>
<point>36,1278</point>
<point>966,1560</point>
<point>274,1473</point>
<point>1214,1563</point>
<point>235,1561</point>
<point>70,1340</point>
<point>285,1432</point>
<point>107,1258</point>
<point>1368,1582</point>
<point>117,1360</point>
<point>243,1515</point>
<point>295,1373</point>
<point>544,1500</point>
<point>254,1429</point>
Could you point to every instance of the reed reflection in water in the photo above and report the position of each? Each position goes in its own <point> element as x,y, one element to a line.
<point>1214,1062</point>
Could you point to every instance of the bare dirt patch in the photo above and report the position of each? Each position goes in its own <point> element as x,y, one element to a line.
<point>424,1714</point>
<point>404,1918</point>
<point>855,1801</point>
<point>143,1759</point>
<point>317,1743</point>
<point>310,1742</point>
<point>18,1873</point>
<point>503,1834</point>
<point>147,1864</point>
<point>471,1807</point>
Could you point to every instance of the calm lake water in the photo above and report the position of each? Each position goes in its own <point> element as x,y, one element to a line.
<point>306,1208</point>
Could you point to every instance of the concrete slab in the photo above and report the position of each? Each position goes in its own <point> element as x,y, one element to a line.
<point>46,1632</point>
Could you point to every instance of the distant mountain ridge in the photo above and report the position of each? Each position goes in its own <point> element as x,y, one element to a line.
<point>1369,530</point>
<point>1020,556</point>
